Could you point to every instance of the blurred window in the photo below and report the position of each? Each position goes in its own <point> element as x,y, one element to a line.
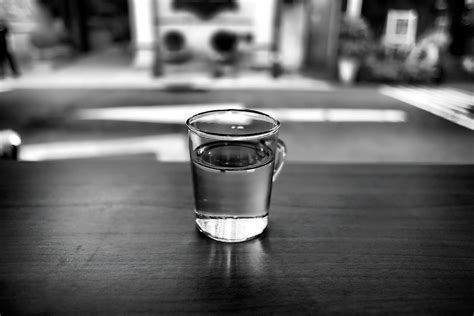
<point>205,9</point>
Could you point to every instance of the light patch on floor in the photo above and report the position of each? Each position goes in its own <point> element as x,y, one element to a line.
<point>450,104</point>
<point>153,114</point>
<point>170,147</point>
<point>178,114</point>
<point>4,87</point>
<point>173,147</point>
<point>336,115</point>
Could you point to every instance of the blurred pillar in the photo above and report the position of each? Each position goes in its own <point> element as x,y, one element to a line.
<point>322,34</point>
<point>354,8</point>
<point>75,12</point>
<point>293,34</point>
<point>276,67</point>
<point>458,28</point>
<point>264,12</point>
<point>157,67</point>
<point>142,17</point>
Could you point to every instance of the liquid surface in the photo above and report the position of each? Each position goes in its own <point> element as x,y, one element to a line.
<point>232,179</point>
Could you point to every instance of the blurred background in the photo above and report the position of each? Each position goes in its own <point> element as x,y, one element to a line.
<point>356,81</point>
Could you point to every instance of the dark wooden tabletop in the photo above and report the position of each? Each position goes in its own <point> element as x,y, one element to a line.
<point>119,237</point>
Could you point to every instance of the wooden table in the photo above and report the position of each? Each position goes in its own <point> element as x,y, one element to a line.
<point>119,237</point>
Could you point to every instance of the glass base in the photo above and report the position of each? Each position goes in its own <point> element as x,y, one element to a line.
<point>231,229</point>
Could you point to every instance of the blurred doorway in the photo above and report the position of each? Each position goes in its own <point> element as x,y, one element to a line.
<point>322,32</point>
<point>108,24</point>
<point>91,25</point>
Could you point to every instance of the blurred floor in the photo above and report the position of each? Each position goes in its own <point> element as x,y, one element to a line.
<point>321,122</point>
<point>50,117</point>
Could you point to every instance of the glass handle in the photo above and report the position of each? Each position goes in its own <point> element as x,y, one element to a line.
<point>279,159</point>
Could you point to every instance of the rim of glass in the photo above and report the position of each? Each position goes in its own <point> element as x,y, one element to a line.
<point>261,134</point>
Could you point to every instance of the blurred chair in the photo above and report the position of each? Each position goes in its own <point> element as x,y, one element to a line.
<point>225,46</point>
<point>10,143</point>
<point>175,48</point>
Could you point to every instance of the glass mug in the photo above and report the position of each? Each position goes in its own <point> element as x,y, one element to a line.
<point>235,157</point>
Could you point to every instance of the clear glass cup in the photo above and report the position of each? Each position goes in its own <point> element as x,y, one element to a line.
<point>235,157</point>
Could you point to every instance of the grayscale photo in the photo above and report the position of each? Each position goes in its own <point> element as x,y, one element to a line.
<point>249,157</point>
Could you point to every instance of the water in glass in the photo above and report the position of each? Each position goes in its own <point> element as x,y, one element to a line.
<point>232,187</point>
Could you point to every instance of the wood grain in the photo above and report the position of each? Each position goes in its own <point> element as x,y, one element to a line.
<point>119,237</point>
